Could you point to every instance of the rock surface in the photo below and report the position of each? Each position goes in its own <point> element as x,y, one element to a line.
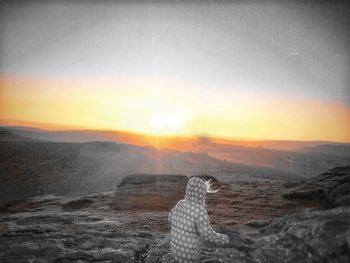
<point>331,188</point>
<point>49,232</point>
<point>102,228</point>
<point>303,237</point>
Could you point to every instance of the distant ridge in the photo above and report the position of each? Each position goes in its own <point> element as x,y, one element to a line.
<point>176,143</point>
<point>303,162</point>
<point>7,136</point>
<point>341,150</point>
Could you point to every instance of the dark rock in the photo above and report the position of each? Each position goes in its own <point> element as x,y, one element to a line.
<point>122,257</point>
<point>77,204</point>
<point>311,236</point>
<point>160,252</point>
<point>145,192</point>
<point>18,206</point>
<point>330,188</point>
<point>145,234</point>
<point>144,179</point>
<point>3,228</point>
<point>229,222</point>
<point>3,205</point>
<point>291,184</point>
<point>258,224</point>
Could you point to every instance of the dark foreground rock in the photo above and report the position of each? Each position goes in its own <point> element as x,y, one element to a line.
<point>312,236</point>
<point>61,229</point>
<point>331,188</point>
<point>108,227</point>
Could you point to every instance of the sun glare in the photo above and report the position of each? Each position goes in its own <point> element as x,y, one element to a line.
<point>166,123</point>
<point>175,121</point>
<point>157,121</point>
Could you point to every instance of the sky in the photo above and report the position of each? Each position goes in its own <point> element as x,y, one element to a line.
<point>239,69</point>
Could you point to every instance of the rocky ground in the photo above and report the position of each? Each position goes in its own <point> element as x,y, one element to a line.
<point>129,224</point>
<point>331,188</point>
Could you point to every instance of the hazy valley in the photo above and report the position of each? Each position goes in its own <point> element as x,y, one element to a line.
<point>31,165</point>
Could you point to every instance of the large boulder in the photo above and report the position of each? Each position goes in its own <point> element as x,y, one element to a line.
<point>148,192</point>
<point>331,188</point>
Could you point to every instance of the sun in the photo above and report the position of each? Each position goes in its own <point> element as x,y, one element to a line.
<point>156,121</point>
<point>166,123</point>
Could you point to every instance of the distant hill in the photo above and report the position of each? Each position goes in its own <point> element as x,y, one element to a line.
<point>35,168</point>
<point>341,150</point>
<point>8,136</point>
<point>175,143</point>
<point>306,162</point>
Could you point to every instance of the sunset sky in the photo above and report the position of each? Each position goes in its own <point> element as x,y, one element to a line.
<point>234,70</point>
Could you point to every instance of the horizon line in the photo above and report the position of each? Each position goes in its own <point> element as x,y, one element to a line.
<point>68,127</point>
